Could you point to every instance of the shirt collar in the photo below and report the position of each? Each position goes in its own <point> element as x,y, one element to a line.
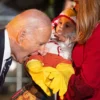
<point>7,51</point>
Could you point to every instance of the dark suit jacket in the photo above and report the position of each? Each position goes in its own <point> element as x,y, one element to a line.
<point>2,40</point>
<point>7,62</point>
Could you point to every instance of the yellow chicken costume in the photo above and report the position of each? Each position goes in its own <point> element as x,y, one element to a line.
<point>50,72</point>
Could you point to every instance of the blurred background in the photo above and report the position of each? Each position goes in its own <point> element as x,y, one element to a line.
<point>9,8</point>
<point>17,77</point>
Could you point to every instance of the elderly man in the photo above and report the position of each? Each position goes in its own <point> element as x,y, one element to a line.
<point>26,34</point>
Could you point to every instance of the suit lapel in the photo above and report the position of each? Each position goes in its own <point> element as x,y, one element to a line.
<point>2,42</point>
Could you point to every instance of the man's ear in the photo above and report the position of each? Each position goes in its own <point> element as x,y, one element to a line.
<point>21,37</point>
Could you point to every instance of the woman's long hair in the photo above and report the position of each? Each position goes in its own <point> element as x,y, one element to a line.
<point>87,17</point>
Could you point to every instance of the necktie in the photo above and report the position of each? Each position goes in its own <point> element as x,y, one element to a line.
<point>5,70</point>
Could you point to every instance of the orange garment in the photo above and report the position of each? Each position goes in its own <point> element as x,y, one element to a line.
<point>50,59</point>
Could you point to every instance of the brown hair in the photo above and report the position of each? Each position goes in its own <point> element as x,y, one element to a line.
<point>87,17</point>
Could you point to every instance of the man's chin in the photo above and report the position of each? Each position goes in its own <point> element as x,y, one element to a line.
<point>21,62</point>
<point>14,58</point>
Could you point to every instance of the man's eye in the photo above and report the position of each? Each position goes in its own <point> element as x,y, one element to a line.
<point>41,44</point>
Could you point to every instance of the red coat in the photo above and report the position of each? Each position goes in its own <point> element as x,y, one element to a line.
<point>85,85</point>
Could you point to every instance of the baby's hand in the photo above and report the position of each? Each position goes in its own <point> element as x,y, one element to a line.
<point>60,37</point>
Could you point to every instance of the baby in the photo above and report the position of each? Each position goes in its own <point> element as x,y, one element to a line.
<point>59,50</point>
<point>57,61</point>
<point>63,34</point>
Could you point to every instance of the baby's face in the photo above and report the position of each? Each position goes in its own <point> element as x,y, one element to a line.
<point>65,26</point>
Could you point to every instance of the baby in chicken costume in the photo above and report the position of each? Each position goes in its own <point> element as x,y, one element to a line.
<point>63,34</point>
<point>53,70</point>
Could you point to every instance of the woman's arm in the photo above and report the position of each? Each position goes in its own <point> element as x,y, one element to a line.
<point>87,81</point>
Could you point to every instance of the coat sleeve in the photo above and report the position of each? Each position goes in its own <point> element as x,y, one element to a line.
<point>87,81</point>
